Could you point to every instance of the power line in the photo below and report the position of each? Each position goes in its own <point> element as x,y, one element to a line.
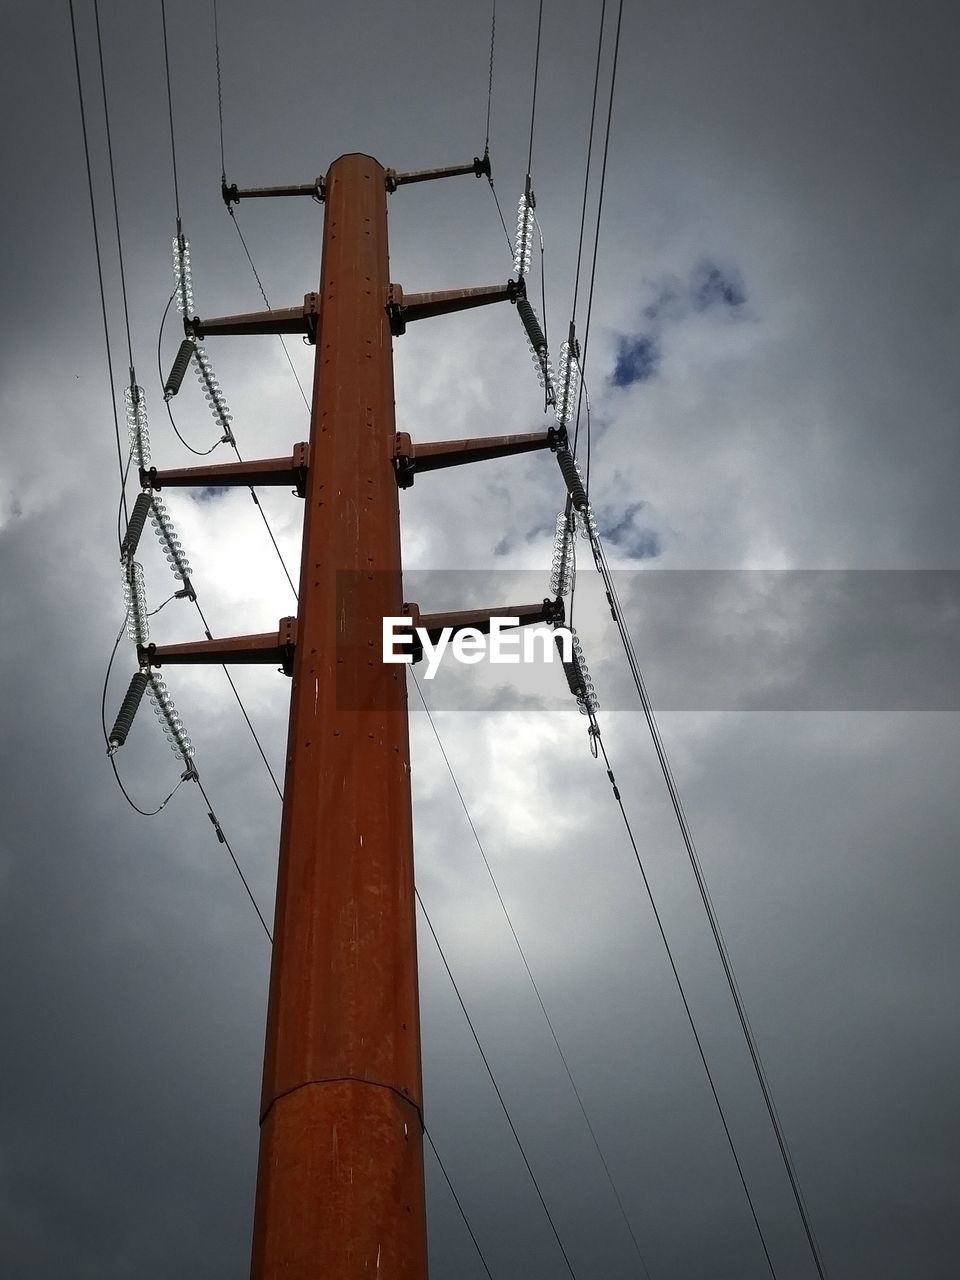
<point>687,836</point>
<point>486,143</point>
<point>456,1198</point>
<point>503,222</point>
<point>496,1087</point>
<point>256,276</point>
<point>124,470</point>
<point>653,726</point>
<point>529,972</point>
<point>596,238</point>
<point>586,174</point>
<point>493,36</point>
<point>243,709</point>
<point>116,213</point>
<point>233,858</point>
<point>216,39</point>
<point>223,176</point>
<point>686,1006</point>
<point>113,186</point>
<point>173,140</point>
<point>719,941</point>
<point>96,245</point>
<point>536,76</point>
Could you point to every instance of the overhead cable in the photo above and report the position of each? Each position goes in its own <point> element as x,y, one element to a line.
<point>686,1006</point>
<point>456,1199</point>
<point>173,139</point>
<point>113,186</point>
<point>496,1087</point>
<point>536,76</point>
<point>96,245</point>
<point>223,176</point>
<point>719,941</point>
<point>216,42</point>
<point>529,973</point>
<point>586,173</point>
<point>493,37</point>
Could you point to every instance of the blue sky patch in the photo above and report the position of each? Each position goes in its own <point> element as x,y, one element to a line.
<point>711,286</point>
<point>638,360</point>
<point>209,493</point>
<point>638,541</point>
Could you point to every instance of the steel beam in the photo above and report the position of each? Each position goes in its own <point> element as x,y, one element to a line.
<point>410,458</point>
<point>269,646</point>
<point>420,306</point>
<point>278,320</point>
<point>480,167</point>
<point>292,470</point>
<point>233,194</point>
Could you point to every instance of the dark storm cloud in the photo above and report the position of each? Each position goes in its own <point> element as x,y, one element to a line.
<point>779,222</point>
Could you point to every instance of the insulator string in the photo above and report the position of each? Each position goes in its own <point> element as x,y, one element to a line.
<point>138,518</point>
<point>179,368</point>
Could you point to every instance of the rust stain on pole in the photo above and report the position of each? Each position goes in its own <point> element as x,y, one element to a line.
<point>340,1186</point>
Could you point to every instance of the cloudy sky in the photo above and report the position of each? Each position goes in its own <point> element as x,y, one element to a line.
<point>773,374</point>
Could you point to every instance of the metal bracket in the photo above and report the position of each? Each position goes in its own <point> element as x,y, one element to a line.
<point>292,470</point>
<point>410,459</point>
<point>233,194</point>
<point>419,306</point>
<point>480,167</point>
<point>279,320</point>
<point>268,647</point>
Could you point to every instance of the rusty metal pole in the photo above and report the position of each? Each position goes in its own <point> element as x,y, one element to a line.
<point>340,1192</point>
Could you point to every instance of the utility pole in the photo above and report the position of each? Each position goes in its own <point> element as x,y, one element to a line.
<point>340,1187</point>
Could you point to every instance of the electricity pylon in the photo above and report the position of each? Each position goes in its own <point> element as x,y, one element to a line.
<point>340,1188</point>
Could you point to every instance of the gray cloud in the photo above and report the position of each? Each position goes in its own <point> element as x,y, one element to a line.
<point>807,153</point>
